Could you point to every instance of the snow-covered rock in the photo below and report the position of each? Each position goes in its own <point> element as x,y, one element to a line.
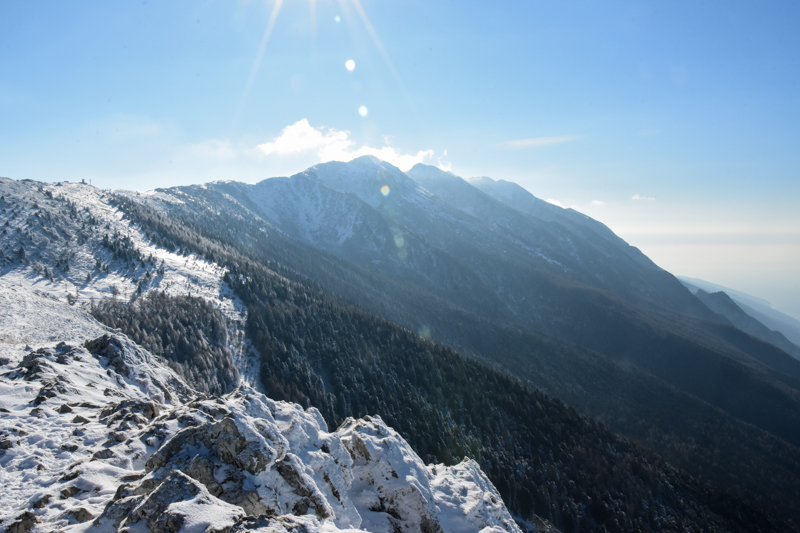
<point>396,491</point>
<point>97,434</point>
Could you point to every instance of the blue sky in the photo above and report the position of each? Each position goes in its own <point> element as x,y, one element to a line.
<point>690,107</point>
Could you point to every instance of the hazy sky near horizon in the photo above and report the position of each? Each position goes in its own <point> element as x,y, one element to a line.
<point>675,123</point>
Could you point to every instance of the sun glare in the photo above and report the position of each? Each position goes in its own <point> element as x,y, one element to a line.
<point>363,111</point>
<point>350,65</point>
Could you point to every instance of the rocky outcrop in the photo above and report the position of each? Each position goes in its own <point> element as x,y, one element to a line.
<point>131,447</point>
<point>401,493</point>
<point>132,363</point>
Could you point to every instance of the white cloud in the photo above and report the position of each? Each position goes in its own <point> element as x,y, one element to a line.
<point>645,198</point>
<point>444,165</point>
<point>301,138</point>
<point>539,141</point>
<point>598,202</point>
<point>555,202</point>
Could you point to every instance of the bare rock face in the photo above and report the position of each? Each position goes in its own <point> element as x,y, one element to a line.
<point>41,502</point>
<point>229,454</point>
<point>127,409</point>
<point>243,460</point>
<point>39,366</point>
<point>177,487</point>
<point>24,523</point>
<point>224,442</point>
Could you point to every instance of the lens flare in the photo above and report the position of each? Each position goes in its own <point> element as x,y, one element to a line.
<point>337,18</point>
<point>276,8</point>
<point>425,332</point>
<point>350,65</point>
<point>363,111</point>
<point>371,30</point>
<point>399,241</point>
<point>385,188</point>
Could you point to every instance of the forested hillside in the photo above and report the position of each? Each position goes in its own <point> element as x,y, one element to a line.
<point>187,331</point>
<point>340,359</point>
<point>692,434</point>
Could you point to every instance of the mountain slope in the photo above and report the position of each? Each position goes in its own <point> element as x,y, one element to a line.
<point>299,336</point>
<point>538,451</point>
<point>588,252</point>
<point>70,243</point>
<point>721,303</point>
<point>755,307</point>
<point>754,463</point>
<point>116,440</point>
<point>774,320</point>
<point>515,270</point>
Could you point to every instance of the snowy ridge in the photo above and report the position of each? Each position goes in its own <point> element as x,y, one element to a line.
<point>365,177</point>
<point>98,434</point>
<point>63,229</point>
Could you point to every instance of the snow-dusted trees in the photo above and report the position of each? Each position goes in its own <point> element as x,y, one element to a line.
<point>188,331</point>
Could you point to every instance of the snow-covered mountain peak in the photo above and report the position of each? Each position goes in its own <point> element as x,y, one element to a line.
<point>430,171</point>
<point>374,181</point>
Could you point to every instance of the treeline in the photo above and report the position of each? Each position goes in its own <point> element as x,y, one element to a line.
<point>543,457</point>
<point>186,330</point>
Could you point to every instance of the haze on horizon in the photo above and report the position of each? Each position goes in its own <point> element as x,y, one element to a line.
<point>677,125</point>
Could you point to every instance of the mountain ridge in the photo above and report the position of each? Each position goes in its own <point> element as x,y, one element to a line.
<point>206,200</point>
<point>200,207</point>
<point>757,308</point>
<point>723,304</point>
